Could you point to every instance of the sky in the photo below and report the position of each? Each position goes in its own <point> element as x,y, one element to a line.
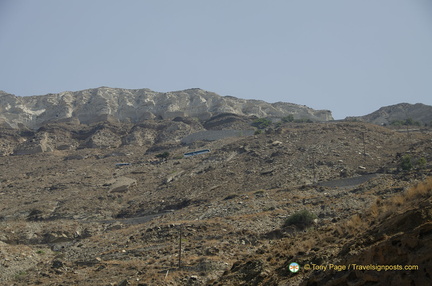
<point>350,57</point>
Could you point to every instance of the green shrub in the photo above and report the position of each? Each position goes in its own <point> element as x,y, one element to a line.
<point>421,163</point>
<point>303,120</point>
<point>410,121</point>
<point>163,155</point>
<point>261,123</point>
<point>406,163</point>
<point>301,219</point>
<point>406,122</point>
<point>396,123</point>
<point>289,118</point>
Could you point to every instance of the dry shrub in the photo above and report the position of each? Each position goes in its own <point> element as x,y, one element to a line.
<point>127,264</point>
<point>374,210</point>
<point>304,245</point>
<point>419,190</point>
<point>309,243</point>
<point>338,231</point>
<point>387,212</point>
<point>398,200</point>
<point>354,224</point>
<point>383,209</point>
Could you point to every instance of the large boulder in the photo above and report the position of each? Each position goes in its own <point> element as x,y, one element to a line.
<point>120,184</point>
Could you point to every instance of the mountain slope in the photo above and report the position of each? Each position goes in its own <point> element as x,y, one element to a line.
<point>135,105</point>
<point>102,214</point>
<point>399,112</point>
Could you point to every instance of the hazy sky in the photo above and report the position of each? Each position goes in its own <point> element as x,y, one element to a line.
<point>348,56</point>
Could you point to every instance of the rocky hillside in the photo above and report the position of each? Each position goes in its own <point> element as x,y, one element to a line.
<point>420,113</point>
<point>135,105</point>
<point>116,203</point>
<point>96,190</point>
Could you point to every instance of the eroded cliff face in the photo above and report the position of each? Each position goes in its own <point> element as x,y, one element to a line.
<point>135,105</point>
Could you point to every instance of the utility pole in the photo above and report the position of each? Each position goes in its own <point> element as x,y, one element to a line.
<point>364,145</point>
<point>180,247</point>
<point>313,166</point>
<point>408,132</point>
<point>407,121</point>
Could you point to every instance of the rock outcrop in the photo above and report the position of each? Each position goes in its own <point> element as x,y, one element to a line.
<point>38,144</point>
<point>121,184</point>
<point>135,105</point>
<point>399,112</point>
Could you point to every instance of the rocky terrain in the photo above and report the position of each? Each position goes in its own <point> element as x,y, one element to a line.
<point>420,113</point>
<point>115,202</point>
<point>134,105</point>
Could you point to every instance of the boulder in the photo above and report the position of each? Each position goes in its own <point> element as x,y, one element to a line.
<point>121,184</point>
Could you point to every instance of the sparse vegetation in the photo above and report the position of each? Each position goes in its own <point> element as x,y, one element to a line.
<point>353,225</point>
<point>420,190</point>
<point>289,118</point>
<point>236,203</point>
<point>421,163</point>
<point>406,163</point>
<point>261,123</point>
<point>303,120</point>
<point>20,275</point>
<point>163,155</point>
<point>406,122</point>
<point>301,219</point>
<point>385,208</point>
